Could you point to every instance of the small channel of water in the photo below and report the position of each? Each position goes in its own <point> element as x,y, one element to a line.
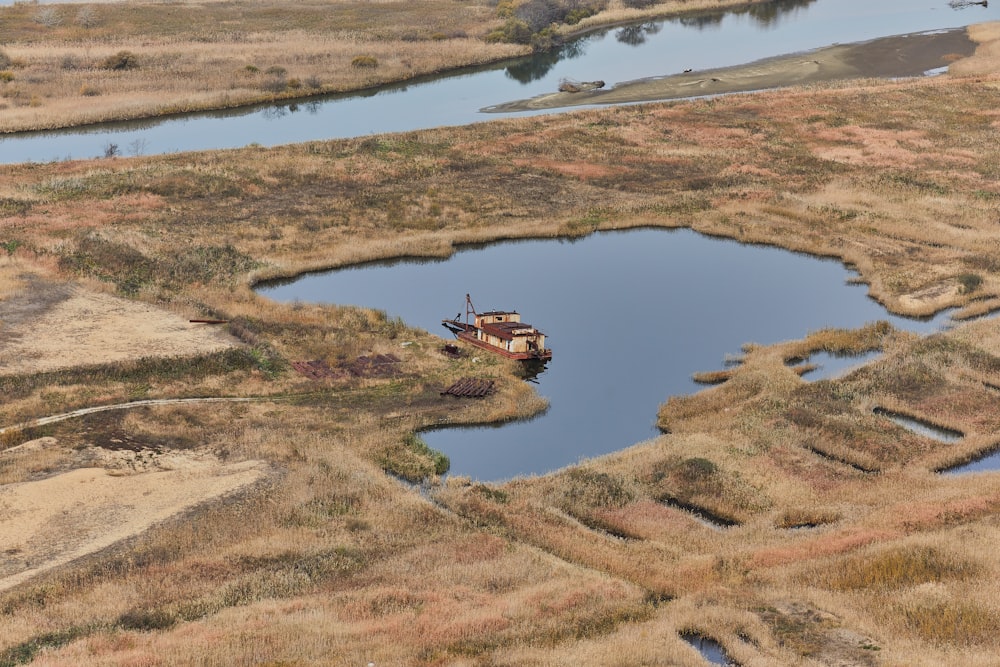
<point>630,317</point>
<point>921,427</point>
<point>988,463</point>
<point>710,649</point>
<point>653,48</point>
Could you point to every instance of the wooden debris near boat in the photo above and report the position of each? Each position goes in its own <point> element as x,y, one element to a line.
<point>470,388</point>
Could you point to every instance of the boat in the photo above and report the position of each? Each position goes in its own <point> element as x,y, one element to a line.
<point>499,331</point>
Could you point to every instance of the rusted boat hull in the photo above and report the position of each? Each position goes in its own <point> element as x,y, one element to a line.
<point>501,332</point>
<point>536,355</point>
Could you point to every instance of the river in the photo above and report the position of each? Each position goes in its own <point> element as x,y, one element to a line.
<point>654,48</point>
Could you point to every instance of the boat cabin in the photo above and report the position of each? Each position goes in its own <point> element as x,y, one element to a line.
<point>500,331</point>
<point>504,329</point>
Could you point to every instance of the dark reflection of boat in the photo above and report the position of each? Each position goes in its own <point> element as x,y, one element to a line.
<point>500,331</point>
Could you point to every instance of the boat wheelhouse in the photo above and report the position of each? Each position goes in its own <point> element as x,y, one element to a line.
<point>500,331</point>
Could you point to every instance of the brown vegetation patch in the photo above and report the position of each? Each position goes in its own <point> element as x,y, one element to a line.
<point>316,369</point>
<point>583,171</point>
<point>922,516</point>
<point>836,542</point>
<point>376,365</point>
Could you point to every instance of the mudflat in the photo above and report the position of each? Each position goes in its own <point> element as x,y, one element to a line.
<point>888,57</point>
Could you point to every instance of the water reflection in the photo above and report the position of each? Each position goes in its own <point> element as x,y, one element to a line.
<point>765,15</point>
<point>770,13</point>
<point>635,35</point>
<point>539,65</point>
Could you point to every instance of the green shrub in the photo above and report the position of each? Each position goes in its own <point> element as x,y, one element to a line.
<point>970,282</point>
<point>697,469</point>
<point>415,443</point>
<point>589,488</point>
<point>10,246</point>
<point>6,76</point>
<point>145,621</point>
<point>514,31</point>
<point>505,9</point>
<point>577,15</point>
<point>123,60</point>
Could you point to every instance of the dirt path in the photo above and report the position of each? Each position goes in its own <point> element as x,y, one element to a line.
<point>51,419</point>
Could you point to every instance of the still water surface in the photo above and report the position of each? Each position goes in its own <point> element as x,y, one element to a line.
<point>629,316</point>
<point>654,48</point>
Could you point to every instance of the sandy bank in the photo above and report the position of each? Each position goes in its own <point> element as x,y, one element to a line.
<point>898,56</point>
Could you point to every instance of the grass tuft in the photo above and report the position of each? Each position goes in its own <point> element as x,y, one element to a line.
<point>895,568</point>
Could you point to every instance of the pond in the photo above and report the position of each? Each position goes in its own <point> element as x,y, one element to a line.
<point>653,48</point>
<point>630,316</point>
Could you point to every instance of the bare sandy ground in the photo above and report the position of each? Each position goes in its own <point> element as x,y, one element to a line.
<point>899,56</point>
<point>48,326</point>
<point>45,325</point>
<point>50,522</point>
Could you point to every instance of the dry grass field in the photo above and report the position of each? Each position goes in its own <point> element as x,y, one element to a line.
<point>791,521</point>
<point>70,64</point>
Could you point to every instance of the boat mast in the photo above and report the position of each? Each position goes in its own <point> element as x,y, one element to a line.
<point>469,308</point>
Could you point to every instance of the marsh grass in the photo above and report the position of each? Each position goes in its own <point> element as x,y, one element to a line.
<point>804,517</point>
<point>330,559</point>
<point>156,60</point>
<point>877,570</point>
<point>952,622</point>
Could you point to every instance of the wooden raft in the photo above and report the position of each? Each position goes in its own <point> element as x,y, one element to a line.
<point>470,388</point>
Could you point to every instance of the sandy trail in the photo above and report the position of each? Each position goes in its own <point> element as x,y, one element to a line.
<point>52,419</point>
